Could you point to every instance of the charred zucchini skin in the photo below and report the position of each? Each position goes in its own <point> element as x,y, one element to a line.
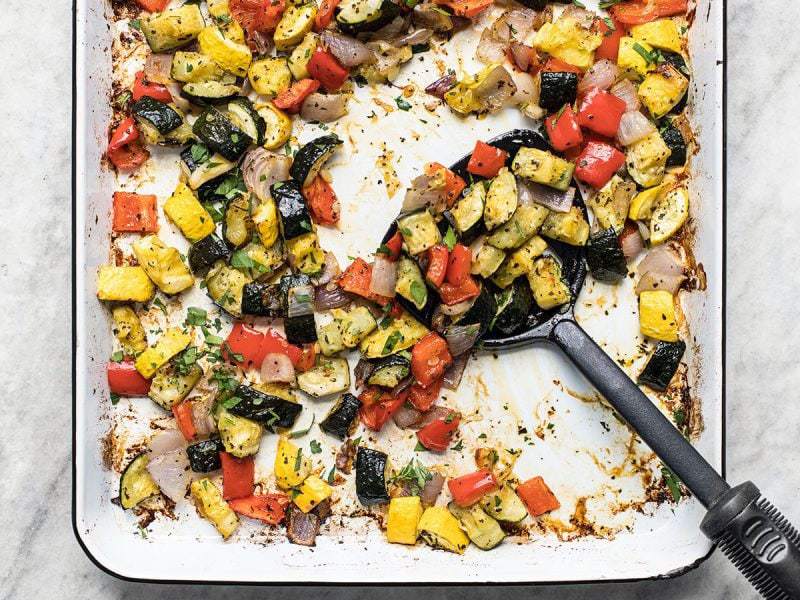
<point>300,330</point>
<point>219,133</point>
<point>263,408</point>
<point>663,364</point>
<point>557,89</point>
<point>207,93</point>
<point>482,310</point>
<point>204,455</point>
<point>673,138</point>
<point>389,10</point>
<point>371,476</point>
<point>204,253</point>
<point>513,313</point>
<point>135,483</point>
<point>392,363</point>
<point>292,209</point>
<point>262,300</point>
<point>605,258</point>
<point>161,116</point>
<point>311,157</point>
<point>341,418</point>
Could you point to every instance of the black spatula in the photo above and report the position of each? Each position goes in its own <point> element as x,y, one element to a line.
<point>762,544</point>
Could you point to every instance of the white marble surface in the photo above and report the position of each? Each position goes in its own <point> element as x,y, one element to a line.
<point>39,557</point>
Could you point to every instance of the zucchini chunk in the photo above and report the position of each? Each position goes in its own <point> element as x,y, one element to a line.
<point>136,484</point>
<point>487,261</point>
<point>419,231</point>
<point>482,311</point>
<point>569,227</point>
<point>611,203</point>
<point>548,287</point>
<point>519,262</point>
<point>292,209</point>
<point>468,211</point>
<point>371,476</point>
<point>605,258</point>
<point>244,115</point>
<point>225,286</point>
<point>268,409</point>
<point>356,16</point>
<point>312,157</point>
<point>329,337</point>
<point>262,300</point>
<point>391,370</point>
<point>513,305</point>
<point>301,56</point>
<point>482,530</point>
<point>440,529</point>
<point>501,199</point>
<point>218,132</point>
<point>674,140</point>
<point>504,505</point>
<point>237,227</point>
<point>543,167</point>
<point>305,253</point>
<point>522,225</point>
<point>209,93</point>
<point>170,386</point>
<point>354,324</point>
<point>163,264</point>
<point>204,455</point>
<point>328,376</point>
<point>295,23</point>
<point>300,330</point>
<point>240,436</point>
<point>410,284</point>
<point>402,333</point>
<point>206,176</point>
<point>557,89</point>
<point>278,125</point>
<point>172,28</point>
<point>212,506</point>
<point>203,254</point>
<point>342,418</point>
<point>662,366</point>
<point>156,114</point>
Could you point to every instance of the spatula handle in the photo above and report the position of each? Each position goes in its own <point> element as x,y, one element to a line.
<point>639,411</point>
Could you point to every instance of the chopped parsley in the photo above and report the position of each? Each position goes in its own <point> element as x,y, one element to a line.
<point>673,483</point>
<point>231,402</point>
<point>114,398</point>
<point>199,153</point>
<point>418,292</point>
<point>331,475</point>
<point>414,475</point>
<point>402,104</point>
<point>135,24</point>
<point>298,462</point>
<point>241,260</point>
<point>232,186</point>
<point>117,356</point>
<point>450,238</point>
<point>315,446</point>
<point>458,446</point>
<point>196,316</point>
<point>394,338</point>
<point>302,432</point>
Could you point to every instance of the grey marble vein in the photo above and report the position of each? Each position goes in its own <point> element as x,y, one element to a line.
<point>39,557</point>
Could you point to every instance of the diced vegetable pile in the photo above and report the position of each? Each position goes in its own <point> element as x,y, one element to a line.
<point>474,250</point>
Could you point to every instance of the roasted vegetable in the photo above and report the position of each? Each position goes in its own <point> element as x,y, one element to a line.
<point>371,476</point>
<point>662,366</point>
<point>291,467</point>
<point>292,209</point>
<point>183,208</point>
<point>513,305</point>
<point>570,227</point>
<point>481,312</point>
<point>569,41</point>
<point>410,284</point>
<point>160,123</point>
<point>605,258</point>
<point>124,284</point>
<point>400,334</point>
<point>312,157</point>
<point>673,138</point>
<point>342,417</point>
<point>306,254</point>
<point>296,22</point>
<point>278,125</point>
<point>354,324</point>
<point>402,520</point>
<point>193,67</point>
<point>519,262</point>
<point>270,76</point>
<point>440,529</point>
<point>163,264</point>
<point>136,484</point>
<point>217,131</point>
<point>237,226</point>
<point>662,33</point>
<point>548,287</point>
<point>632,58</point>
<point>611,203</point>
<point>419,231</point>
<point>171,342</point>
<point>543,167</point>
<point>225,285</point>
<point>204,455</point>
<point>212,506</point>
<point>557,89</point>
<point>172,28</point>
<point>262,299</point>
<point>389,371</point>
<point>504,505</point>
<point>204,253</point>
<point>481,529</point>
<point>209,93</point>
<point>657,317</point>
<point>522,225</point>
<point>670,212</point>
<point>487,261</point>
<point>128,330</point>
<point>356,16</point>
<point>312,492</point>
<point>501,199</point>
<point>231,55</point>
<point>662,89</point>
<point>267,409</point>
<point>328,376</point>
<point>245,116</point>
<point>647,159</point>
<point>171,385</point>
<point>240,436</point>
<point>468,211</point>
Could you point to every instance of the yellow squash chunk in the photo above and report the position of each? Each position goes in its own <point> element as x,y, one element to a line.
<point>419,231</point>
<point>519,262</point>
<point>548,287</point>
<point>543,167</point>
<point>295,23</point>
<point>662,89</point>
<point>440,529</point>
<point>218,8</point>
<point>172,28</point>
<point>501,199</point>
<point>193,67</point>
<point>212,506</point>
<point>306,253</point>
<point>662,33</point>
<point>631,58</point>
<point>403,332</point>
<point>269,76</point>
<point>642,204</point>
<point>570,227</point>
<point>610,204</point>
<point>312,491</point>
<point>657,315</point>
<point>291,466</point>
<point>185,210</point>
<point>124,284</point>
<point>128,329</point>
<point>669,214</point>
<point>646,160</point>
<point>279,125</point>
<point>172,341</point>
<point>462,97</point>
<point>240,436</point>
<point>298,59</point>
<point>402,520</point>
<point>567,40</point>
<point>265,218</point>
<point>163,264</point>
<point>230,55</point>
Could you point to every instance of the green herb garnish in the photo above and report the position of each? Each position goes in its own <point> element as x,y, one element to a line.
<point>414,475</point>
<point>315,446</point>
<point>402,104</point>
<point>419,293</point>
<point>450,238</point>
<point>394,338</point>
<point>673,483</point>
<point>199,153</point>
<point>117,356</point>
<point>302,432</point>
<point>196,316</point>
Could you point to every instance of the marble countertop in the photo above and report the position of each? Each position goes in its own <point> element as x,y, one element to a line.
<point>40,557</point>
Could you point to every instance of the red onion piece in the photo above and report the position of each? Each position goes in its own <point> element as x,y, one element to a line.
<point>324,107</point>
<point>300,301</point>
<point>457,309</point>
<point>431,16</point>
<point>460,338</point>
<point>662,259</point>
<point>529,192</point>
<point>634,126</point>
<point>407,417</point>
<point>601,75</point>
<point>455,372</point>
<point>362,371</point>
<point>490,50</point>
<point>168,463</point>
<point>302,528</point>
<point>644,230</point>
<point>330,296</point>
<point>524,56</point>
<point>330,270</point>
<point>527,91</point>
<point>441,85</point>
<point>277,368</point>
<point>652,281</point>
<point>626,91</point>
<point>631,241</point>
<point>348,51</point>
<point>435,413</point>
<point>418,36</point>
<point>261,168</point>
<point>432,489</point>
<point>384,277</point>
<point>158,68</point>
<point>166,441</point>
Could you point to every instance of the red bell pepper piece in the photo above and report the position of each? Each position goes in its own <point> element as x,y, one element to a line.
<point>458,265</point>
<point>635,12</point>
<point>325,14</point>
<point>322,201</point>
<point>247,343</point>
<point>466,8</point>
<point>556,65</point>
<point>609,47</point>
<point>124,150</point>
<point>430,357</point>
<point>292,99</point>
<point>563,129</point>
<point>134,213</point>
<point>270,508</point>
<point>238,476</point>
<point>156,91</point>
<point>153,5</point>
<point>125,380</point>
<point>486,160</point>
<point>453,184</point>
<point>537,496</point>
<point>356,279</point>
<point>438,256</point>
<point>438,434</point>
<point>184,420</point>
<point>597,163</point>
<point>257,15</point>
<point>125,133</point>
<point>377,407</point>
<point>393,246</point>
<point>274,342</point>
<point>308,357</point>
<point>423,398</point>
<point>453,294</point>
<point>468,489</point>
<point>601,112</point>
<point>324,67</point>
